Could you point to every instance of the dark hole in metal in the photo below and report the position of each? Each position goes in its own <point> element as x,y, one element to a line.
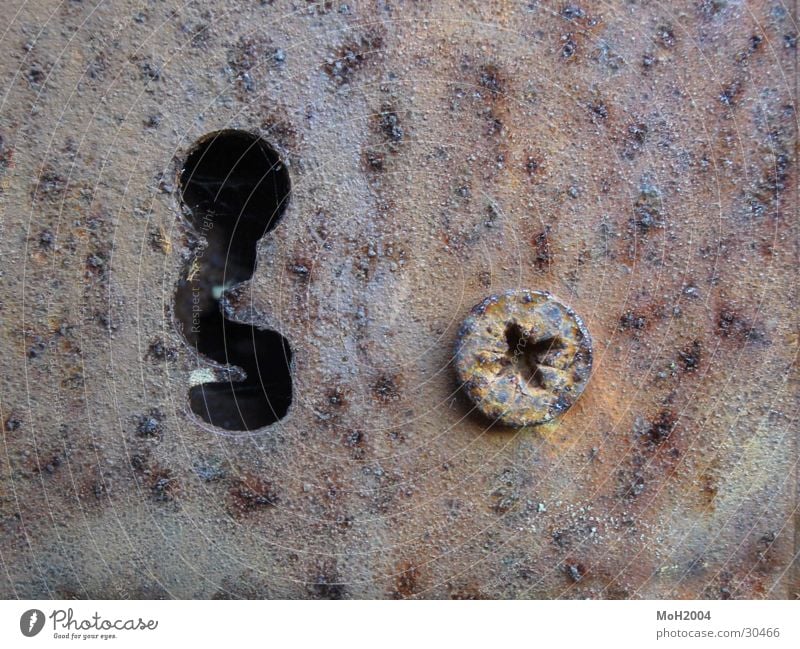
<point>235,188</point>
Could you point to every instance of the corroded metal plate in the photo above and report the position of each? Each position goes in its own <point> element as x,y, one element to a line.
<point>637,159</point>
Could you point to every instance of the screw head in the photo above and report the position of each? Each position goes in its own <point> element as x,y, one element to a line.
<point>523,357</point>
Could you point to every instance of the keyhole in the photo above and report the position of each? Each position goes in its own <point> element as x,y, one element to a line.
<point>236,189</point>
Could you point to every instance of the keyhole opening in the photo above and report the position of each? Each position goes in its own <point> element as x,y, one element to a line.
<point>236,188</point>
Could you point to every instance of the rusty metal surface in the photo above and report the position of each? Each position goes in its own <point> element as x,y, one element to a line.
<point>637,159</point>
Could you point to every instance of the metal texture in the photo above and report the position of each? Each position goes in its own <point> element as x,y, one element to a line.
<point>637,159</point>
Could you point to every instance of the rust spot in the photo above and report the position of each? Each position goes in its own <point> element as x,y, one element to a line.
<point>386,389</point>
<point>406,581</point>
<point>244,56</point>
<point>731,93</point>
<point>300,267</point>
<point>373,160</point>
<point>163,485</point>
<point>665,36</point>
<point>158,350</point>
<point>97,264</point>
<point>631,481</point>
<point>568,47</point>
<point>489,77</point>
<point>249,494</point>
<point>572,12</point>
<point>149,69</point>
<point>276,128</point>
<point>332,487</point>
<point>46,240</point>
<point>150,425</point>
<point>326,583</point>
<point>351,57</point>
<point>94,490</point>
<point>753,45</point>
<point>6,155</point>
<point>690,356</point>
<point>710,8</point>
<point>387,135</point>
<point>730,324</point>
<point>50,187</point>
<point>633,321</point>
<point>661,428</point>
<point>507,493</point>
<point>389,125</point>
<point>543,253</point>
<point>494,125</point>
<point>466,592</point>
<point>708,488</point>
<point>575,571</point>
<point>48,463</point>
<point>647,209</point>
<point>139,463</point>
<point>598,109</point>
<point>36,75</point>
<point>533,165</point>
<point>636,136</point>
<point>356,441</point>
<point>336,397</point>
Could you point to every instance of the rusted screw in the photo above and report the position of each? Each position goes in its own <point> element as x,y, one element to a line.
<point>523,357</point>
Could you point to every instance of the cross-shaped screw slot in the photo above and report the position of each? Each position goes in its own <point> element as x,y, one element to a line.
<point>527,355</point>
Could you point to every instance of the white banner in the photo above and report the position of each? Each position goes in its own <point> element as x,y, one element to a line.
<point>406,625</point>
